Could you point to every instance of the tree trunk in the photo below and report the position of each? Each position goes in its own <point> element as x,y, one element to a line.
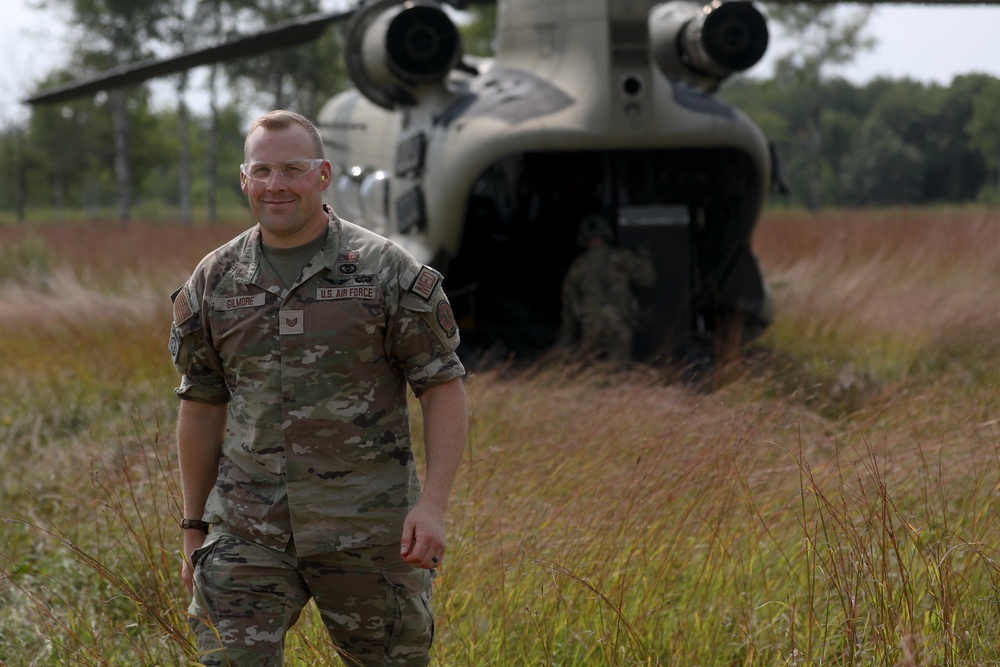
<point>123,167</point>
<point>816,142</point>
<point>184,168</point>
<point>212,150</point>
<point>93,195</point>
<point>59,194</point>
<point>21,193</point>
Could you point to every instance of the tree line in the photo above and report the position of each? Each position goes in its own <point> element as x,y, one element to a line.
<point>114,150</point>
<point>885,142</point>
<point>888,142</point>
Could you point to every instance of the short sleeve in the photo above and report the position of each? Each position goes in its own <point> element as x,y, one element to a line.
<point>202,378</point>
<point>423,335</point>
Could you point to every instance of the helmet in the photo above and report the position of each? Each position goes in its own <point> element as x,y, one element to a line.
<point>592,226</point>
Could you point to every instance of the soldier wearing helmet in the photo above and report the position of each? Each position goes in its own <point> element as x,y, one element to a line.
<point>594,226</point>
<point>600,309</point>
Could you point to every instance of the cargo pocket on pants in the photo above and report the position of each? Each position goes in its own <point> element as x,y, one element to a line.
<point>198,611</point>
<point>409,619</point>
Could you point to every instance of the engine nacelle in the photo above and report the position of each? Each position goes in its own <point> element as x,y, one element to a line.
<point>394,48</point>
<point>704,44</point>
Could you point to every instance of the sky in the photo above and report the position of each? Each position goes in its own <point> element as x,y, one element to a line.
<point>925,43</point>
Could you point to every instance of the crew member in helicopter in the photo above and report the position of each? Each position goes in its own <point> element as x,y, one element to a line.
<point>600,309</point>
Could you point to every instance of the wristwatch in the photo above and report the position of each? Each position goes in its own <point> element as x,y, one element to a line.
<point>196,524</point>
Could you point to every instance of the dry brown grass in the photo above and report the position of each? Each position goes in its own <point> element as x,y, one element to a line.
<point>868,298</point>
<point>111,254</point>
<point>917,272</point>
<point>827,501</point>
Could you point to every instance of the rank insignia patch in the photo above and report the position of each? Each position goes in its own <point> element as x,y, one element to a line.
<point>291,322</point>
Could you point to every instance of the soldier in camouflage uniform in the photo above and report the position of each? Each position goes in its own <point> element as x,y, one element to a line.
<point>296,343</point>
<point>599,306</point>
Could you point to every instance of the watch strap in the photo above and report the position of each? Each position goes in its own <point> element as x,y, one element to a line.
<point>195,524</point>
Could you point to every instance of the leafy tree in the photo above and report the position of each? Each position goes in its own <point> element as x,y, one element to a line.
<point>14,168</point>
<point>887,142</point>
<point>228,153</point>
<point>70,145</point>
<point>478,28</point>
<point>181,25</point>
<point>882,167</point>
<point>110,33</point>
<point>930,119</point>
<point>933,119</point>
<point>983,130</point>
<point>72,150</point>
<point>300,78</point>
<point>229,131</point>
<point>825,36</point>
<point>53,130</point>
<point>210,13</point>
<point>186,26</point>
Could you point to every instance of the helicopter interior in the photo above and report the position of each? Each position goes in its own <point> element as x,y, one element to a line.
<point>684,205</point>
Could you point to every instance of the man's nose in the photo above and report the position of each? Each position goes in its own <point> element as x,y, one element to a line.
<point>275,180</point>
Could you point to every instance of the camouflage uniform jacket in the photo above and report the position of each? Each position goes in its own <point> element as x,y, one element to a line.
<point>599,283</point>
<point>317,442</point>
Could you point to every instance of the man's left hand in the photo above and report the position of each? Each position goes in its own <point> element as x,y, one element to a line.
<point>423,541</point>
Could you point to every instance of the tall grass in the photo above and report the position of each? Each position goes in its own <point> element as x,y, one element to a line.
<point>830,501</point>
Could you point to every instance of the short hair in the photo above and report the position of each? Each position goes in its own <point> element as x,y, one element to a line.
<point>280,119</point>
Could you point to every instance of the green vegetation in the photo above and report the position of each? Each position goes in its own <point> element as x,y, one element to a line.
<point>887,142</point>
<point>884,143</point>
<point>824,499</point>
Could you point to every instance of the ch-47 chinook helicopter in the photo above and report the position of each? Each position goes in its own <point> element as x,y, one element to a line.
<point>484,168</point>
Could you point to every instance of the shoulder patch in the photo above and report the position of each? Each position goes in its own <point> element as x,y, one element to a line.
<point>446,318</point>
<point>182,307</point>
<point>425,283</point>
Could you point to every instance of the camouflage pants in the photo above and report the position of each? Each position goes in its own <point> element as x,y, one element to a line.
<point>375,606</point>
<point>606,333</point>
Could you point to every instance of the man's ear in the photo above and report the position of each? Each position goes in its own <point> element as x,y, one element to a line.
<point>326,174</point>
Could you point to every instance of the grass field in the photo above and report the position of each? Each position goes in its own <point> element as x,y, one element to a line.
<point>828,498</point>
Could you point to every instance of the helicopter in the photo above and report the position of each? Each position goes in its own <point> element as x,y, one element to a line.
<point>483,168</point>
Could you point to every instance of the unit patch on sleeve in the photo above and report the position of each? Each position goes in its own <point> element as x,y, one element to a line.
<point>446,318</point>
<point>425,282</point>
<point>175,343</point>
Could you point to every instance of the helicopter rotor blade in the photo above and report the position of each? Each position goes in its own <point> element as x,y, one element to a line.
<point>287,34</point>
<point>462,4</point>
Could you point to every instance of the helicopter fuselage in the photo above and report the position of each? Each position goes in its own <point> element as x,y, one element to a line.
<point>486,172</point>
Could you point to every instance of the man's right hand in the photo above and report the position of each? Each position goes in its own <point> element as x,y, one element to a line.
<point>201,428</point>
<point>192,540</point>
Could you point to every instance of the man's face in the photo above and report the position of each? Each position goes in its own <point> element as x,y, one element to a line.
<point>289,210</point>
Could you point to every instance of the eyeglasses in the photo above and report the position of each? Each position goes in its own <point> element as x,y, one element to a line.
<point>261,171</point>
